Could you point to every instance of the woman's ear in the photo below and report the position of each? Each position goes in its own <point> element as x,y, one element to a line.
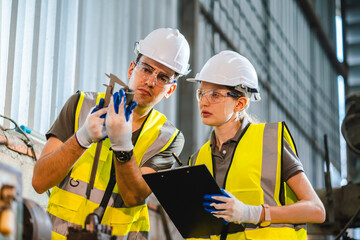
<point>240,104</point>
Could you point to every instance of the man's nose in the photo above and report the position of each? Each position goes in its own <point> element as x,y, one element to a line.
<point>151,81</point>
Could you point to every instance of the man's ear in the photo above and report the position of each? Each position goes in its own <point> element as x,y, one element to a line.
<point>131,69</point>
<point>170,91</point>
<point>240,104</point>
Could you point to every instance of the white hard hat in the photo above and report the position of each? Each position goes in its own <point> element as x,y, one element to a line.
<point>229,68</point>
<point>168,47</point>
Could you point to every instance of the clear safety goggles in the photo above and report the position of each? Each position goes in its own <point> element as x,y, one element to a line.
<point>147,71</point>
<point>214,96</point>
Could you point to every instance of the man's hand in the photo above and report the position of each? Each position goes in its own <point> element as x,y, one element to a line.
<point>119,122</point>
<point>229,208</point>
<point>93,129</point>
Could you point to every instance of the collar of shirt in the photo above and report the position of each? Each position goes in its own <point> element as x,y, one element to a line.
<point>235,138</point>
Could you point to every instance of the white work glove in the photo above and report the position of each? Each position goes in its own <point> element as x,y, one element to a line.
<point>229,208</point>
<point>93,129</point>
<point>119,122</point>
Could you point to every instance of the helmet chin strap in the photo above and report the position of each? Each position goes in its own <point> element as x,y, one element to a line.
<point>231,118</point>
<point>237,113</point>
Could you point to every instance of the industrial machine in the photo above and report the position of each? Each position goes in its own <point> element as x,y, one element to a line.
<point>343,204</point>
<point>20,218</point>
<point>23,219</point>
<point>93,230</point>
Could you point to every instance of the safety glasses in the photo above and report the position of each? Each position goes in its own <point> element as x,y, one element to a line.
<point>146,71</point>
<point>214,96</point>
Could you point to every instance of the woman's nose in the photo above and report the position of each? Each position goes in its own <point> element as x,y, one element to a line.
<point>204,100</point>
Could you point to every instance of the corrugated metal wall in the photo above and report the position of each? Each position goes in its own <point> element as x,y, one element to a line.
<point>50,49</point>
<point>298,84</point>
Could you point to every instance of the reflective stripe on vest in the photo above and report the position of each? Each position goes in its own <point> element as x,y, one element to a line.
<point>257,181</point>
<point>68,204</point>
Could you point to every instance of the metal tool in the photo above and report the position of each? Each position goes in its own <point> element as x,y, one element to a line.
<point>109,92</point>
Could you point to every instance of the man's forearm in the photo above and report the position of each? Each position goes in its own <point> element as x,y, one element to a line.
<point>55,163</point>
<point>131,185</point>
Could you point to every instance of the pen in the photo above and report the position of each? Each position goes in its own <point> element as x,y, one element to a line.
<point>177,159</point>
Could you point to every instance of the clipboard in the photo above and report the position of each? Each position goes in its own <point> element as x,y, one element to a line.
<point>180,191</point>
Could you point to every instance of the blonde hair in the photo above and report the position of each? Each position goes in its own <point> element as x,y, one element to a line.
<point>243,114</point>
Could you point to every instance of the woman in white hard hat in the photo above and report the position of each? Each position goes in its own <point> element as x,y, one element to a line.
<point>257,165</point>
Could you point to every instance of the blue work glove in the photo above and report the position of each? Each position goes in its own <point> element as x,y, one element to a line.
<point>94,129</point>
<point>119,122</point>
<point>100,106</point>
<point>209,200</point>
<point>229,208</point>
<point>117,100</point>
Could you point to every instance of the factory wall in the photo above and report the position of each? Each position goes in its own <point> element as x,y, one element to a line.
<point>51,49</point>
<point>298,84</point>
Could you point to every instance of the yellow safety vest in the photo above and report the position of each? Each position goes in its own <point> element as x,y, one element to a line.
<point>68,205</point>
<point>254,177</point>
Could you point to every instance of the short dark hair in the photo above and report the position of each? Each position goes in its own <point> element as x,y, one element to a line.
<point>138,57</point>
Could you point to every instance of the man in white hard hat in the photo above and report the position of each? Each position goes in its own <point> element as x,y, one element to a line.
<point>140,140</point>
